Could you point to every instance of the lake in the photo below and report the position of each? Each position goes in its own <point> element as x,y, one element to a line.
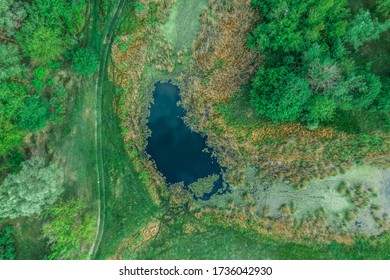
<point>179,153</point>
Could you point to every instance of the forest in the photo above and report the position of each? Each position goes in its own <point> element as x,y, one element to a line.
<point>293,97</point>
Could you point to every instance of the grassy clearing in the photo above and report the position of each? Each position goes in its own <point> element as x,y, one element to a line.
<point>27,242</point>
<point>183,24</point>
<point>125,203</point>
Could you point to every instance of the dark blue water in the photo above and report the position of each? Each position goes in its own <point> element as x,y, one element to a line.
<point>176,150</point>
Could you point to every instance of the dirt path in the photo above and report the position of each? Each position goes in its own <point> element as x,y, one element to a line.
<point>103,63</point>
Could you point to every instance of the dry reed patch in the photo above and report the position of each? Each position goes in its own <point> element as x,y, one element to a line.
<point>141,238</point>
<point>220,50</point>
<point>313,229</point>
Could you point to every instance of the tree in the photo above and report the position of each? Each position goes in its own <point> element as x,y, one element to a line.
<point>10,136</point>
<point>320,109</point>
<point>279,95</point>
<point>308,72</point>
<point>48,30</point>
<point>294,92</point>
<point>323,72</point>
<point>7,248</point>
<point>383,7</point>
<point>35,113</point>
<point>367,91</point>
<point>85,61</point>
<point>66,15</point>
<point>383,100</point>
<point>363,28</point>
<point>12,14</point>
<point>288,25</point>
<point>41,43</point>
<point>38,82</point>
<point>30,191</point>
<point>10,62</point>
<point>12,96</point>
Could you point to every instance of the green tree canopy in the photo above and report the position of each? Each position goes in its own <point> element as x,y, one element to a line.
<point>364,28</point>
<point>11,136</point>
<point>320,108</point>
<point>309,73</point>
<point>279,95</point>
<point>67,15</point>
<point>10,62</point>
<point>43,44</point>
<point>383,7</point>
<point>12,96</point>
<point>383,100</point>
<point>12,14</point>
<point>30,191</point>
<point>290,24</point>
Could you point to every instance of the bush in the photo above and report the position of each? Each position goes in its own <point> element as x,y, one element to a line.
<point>85,61</point>
<point>35,113</point>
<point>69,229</point>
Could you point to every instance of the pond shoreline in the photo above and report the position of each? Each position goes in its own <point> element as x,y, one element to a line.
<point>177,151</point>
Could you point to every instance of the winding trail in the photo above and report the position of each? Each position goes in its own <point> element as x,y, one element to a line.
<point>104,50</point>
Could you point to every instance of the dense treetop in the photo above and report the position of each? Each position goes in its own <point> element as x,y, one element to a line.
<point>30,191</point>
<point>310,71</point>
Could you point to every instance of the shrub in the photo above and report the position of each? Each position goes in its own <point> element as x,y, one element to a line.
<point>85,61</point>
<point>35,113</point>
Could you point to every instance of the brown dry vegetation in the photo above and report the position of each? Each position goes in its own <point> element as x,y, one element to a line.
<point>140,239</point>
<point>220,51</point>
<point>313,229</point>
